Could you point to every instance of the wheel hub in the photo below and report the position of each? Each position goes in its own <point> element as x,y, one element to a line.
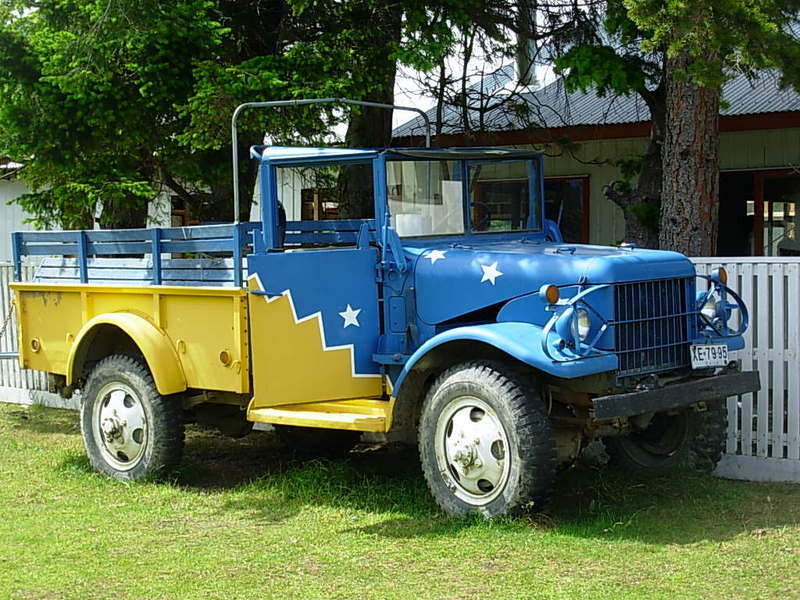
<point>120,426</point>
<point>473,450</point>
<point>466,455</point>
<point>112,429</point>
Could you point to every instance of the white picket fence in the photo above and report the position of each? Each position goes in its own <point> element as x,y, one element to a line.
<point>764,428</point>
<point>21,386</point>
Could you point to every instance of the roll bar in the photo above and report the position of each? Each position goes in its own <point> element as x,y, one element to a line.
<point>278,103</point>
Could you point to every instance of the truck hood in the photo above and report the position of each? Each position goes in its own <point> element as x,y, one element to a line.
<point>457,279</point>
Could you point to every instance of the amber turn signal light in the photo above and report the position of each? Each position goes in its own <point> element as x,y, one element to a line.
<point>549,293</point>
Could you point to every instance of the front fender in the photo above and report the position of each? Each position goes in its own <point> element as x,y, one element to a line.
<point>155,346</point>
<point>520,340</point>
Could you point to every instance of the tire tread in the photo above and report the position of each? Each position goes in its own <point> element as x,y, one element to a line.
<point>536,445</point>
<point>166,430</point>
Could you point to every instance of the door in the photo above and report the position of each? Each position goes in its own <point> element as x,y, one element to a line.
<point>314,326</point>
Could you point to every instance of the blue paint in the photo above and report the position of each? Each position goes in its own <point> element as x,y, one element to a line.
<point>525,266</point>
<point>156,250</point>
<point>327,282</point>
<point>233,240</point>
<point>16,254</point>
<point>82,256</point>
<point>514,339</point>
<point>411,295</point>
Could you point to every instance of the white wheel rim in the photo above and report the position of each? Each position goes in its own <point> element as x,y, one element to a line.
<point>472,450</point>
<point>119,426</point>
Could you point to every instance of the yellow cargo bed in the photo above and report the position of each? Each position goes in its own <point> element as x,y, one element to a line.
<point>190,336</point>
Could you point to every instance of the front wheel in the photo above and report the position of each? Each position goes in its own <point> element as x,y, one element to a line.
<point>485,441</point>
<point>695,437</point>
<point>129,430</point>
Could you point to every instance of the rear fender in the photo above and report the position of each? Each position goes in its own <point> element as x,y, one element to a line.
<point>153,343</point>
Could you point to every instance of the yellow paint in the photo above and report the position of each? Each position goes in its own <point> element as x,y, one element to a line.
<point>356,415</point>
<point>205,320</point>
<point>154,344</point>
<point>292,365</point>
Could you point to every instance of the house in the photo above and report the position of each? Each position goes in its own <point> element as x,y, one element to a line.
<point>584,136</point>
<point>14,217</point>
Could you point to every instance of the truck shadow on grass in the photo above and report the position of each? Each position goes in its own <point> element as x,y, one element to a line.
<point>679,508</point>
<point>273,483</point>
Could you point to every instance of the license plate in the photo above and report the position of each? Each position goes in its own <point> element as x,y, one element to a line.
<point>709,355</point>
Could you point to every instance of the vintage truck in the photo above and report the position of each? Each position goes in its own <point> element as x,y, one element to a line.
<point>454,315</point>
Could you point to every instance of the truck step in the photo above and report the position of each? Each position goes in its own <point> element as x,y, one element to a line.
<point>363,414</point>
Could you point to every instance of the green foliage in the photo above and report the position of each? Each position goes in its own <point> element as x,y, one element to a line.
<point>119,102</point>
<point>721,36</point>
<point>608,55</point>
<point>629,168</point>
<point>87,100</point>
<point>603,68</point>
<point>648,213</point>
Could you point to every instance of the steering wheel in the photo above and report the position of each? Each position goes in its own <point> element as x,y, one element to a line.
<point>483,224</point>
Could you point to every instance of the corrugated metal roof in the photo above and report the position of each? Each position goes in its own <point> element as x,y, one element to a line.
<point>552,106</point>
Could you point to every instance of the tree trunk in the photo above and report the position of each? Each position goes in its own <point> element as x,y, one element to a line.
<point>690,189</point>
<point>641,205</point>
<point>371,127</point>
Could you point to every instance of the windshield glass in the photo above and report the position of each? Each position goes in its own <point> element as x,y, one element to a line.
<point>426,197</point>
<point>500,197</point>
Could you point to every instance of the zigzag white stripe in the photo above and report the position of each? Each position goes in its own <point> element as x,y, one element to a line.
<point>318,316</point>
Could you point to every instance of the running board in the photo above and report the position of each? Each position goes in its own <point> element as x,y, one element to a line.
<point>355,415</point>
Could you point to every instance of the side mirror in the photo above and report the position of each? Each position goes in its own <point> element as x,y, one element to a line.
<point>551,232</point>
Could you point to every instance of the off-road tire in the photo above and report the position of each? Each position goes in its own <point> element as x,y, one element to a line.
<point>162,431</point>
<point>315,441</point>
<point>699,441</point>
<point>516,412</point>
<point>711,432</point>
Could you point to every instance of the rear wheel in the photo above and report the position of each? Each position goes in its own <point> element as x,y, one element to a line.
<point>129,430</point>
<point>485,442</point>
<point>687,436</point>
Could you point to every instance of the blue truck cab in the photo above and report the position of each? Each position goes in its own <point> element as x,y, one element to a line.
<point>438,306</point>
<point>503,349</point>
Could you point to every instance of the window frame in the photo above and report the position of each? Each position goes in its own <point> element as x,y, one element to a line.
<point>535,193</point>
<point>585,200</point>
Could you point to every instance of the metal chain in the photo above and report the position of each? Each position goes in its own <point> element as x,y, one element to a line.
<point>7,320</point>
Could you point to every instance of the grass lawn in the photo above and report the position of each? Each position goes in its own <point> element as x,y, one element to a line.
<point>247,519</point>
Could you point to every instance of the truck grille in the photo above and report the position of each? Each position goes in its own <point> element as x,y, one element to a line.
<point>652,325</point>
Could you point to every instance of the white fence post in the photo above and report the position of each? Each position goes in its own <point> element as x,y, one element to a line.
<point>21,386</point>
<point>764,428</point>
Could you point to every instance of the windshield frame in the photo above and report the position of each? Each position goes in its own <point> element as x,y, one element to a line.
<point>535,192</point>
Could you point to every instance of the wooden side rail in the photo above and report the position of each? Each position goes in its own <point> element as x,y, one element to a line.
<point>235,240</point>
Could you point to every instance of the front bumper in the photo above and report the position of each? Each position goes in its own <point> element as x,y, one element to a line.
<point>676,395</point>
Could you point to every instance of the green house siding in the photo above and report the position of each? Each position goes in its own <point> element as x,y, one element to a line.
<point>771,149</point>
<point>763,149</point>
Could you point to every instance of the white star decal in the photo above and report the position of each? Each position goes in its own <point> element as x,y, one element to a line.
<point>435,255</point>
<point>490,273</point>
<point>350,316</point>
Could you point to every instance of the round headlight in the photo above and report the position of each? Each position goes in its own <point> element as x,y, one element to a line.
<point>709,309</point>
<point>584,324</point>
<point>719,274</point>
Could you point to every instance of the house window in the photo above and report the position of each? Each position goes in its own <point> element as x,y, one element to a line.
<point>781,199</point>
<point>758,213</point>
<point>566,201</point>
